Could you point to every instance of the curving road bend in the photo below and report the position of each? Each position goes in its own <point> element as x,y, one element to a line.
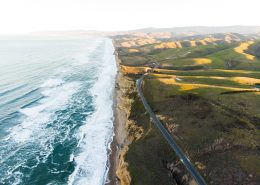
<point>184,159</point>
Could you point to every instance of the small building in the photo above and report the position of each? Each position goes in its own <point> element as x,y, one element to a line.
<point>153,64</point>
<point>149,70</point>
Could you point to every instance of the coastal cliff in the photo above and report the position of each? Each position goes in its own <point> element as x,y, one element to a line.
<point>118,166</point>
<point>208,106</point>
<point>139,153</point>
<point>122,118</point>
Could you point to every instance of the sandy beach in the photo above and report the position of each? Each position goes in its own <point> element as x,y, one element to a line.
<point>120,133</point>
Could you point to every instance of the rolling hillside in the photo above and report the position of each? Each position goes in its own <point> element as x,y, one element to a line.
<point>204,89</point>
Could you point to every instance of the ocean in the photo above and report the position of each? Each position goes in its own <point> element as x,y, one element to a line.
<point>56,110</point>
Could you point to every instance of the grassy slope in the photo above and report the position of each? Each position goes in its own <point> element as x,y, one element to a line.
<point>219,54</point>
<point>216,130</point>
<point>148,153</point>
<point>208,118</point>
<point>254,49</point>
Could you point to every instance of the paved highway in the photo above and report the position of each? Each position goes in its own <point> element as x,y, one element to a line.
<point>184,159</point>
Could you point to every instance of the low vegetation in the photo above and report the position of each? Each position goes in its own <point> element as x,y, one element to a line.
<point>254,49</point>
<point>243,47</point>
<point>207,96</point>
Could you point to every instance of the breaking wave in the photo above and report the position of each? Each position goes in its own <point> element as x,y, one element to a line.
<point>61,135</point>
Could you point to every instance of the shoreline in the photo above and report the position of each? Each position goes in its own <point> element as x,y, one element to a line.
<point>120,133</point>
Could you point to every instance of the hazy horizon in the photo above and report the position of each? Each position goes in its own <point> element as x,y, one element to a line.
<point>64,15</point>
<point>74,32</point>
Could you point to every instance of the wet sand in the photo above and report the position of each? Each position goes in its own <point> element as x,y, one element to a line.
<point>120,133</point>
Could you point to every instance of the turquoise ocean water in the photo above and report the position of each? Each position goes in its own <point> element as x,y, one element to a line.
<point>56,116</point>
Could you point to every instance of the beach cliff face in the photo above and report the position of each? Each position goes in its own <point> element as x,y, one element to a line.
<point>139,153</point>
<point>118,168</point>
<point>122,114</point>
<point>123,139</point>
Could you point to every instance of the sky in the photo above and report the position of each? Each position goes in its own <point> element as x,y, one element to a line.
<point>23,16</point>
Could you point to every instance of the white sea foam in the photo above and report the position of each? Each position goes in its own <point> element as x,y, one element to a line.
<point>52,83</point>
<point>33,127</point>
<point>95,136</point>
<point>37,116</point>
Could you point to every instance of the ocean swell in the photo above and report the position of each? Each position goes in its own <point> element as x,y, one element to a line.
<point>61,133</point>
<point>96,135</point>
